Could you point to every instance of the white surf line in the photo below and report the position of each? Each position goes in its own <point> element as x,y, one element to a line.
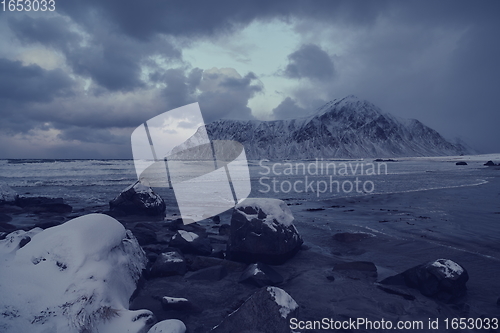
<point>481,182</point>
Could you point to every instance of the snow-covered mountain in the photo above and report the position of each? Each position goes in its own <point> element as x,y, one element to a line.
<point>343,128</point>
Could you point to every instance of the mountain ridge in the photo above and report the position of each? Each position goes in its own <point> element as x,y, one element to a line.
<point>343,128</point>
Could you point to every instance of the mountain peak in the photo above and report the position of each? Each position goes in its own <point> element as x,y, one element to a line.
<point>349,105</point>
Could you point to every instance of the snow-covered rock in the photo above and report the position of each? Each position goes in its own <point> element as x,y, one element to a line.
<point>343,128</point>
<point>7,194</point>
<point>268,311</point>
<point>262,230</point>
<point>138,199</point>
<point>443,279</point>
<point>75,277</point>
<point>168,326</point>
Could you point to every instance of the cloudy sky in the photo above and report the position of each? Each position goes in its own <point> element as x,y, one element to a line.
<point>75,82</point>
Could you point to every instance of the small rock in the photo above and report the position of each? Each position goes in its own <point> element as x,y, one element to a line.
<point>178,304</point>
<point>461,163</point>
<point>168,326</point>
<point>489,163</point>
<point>168,264</point>
<point>190,242</point>
<point>225,230</point>
<point>214,273</point>
<point>216,219</point>
<point>261,275</point>
<point>443,279</point>
<point>138,199</point>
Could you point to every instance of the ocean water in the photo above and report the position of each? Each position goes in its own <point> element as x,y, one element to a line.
<point>85,183</point>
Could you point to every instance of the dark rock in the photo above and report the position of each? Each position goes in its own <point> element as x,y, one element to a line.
<point>168,264</point>
<point>443,279</point>
<point>261,275</point>
<point>204,262</point>
<point>214,273</point>
<point>225,230</point>
<point>178,304</point>
<point>350,237</point>
<point>268,311</point>
<point>138,199</point>
<point>330,278</point>
<point>144,235</point>
<point>216,219</point>
<point>4,218</point>
<point>190,242</point>
<point>262,231</point>
<point>489,163</point>
<point>25,240</point>
<point>461,163</point>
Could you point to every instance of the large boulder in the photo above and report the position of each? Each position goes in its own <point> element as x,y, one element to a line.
<point>7,194</point>
<point>262,231</point>
<point>75,277</point>
<point>489,163</point>
<point>138,199</point>
<point>442,279</point>
<point>267,311</point>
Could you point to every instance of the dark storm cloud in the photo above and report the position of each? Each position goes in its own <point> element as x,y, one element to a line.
<point>225,94</point>
<point>92,135</point>
<point>113,61</point>
<point>51,31</point>
<point>32,83</point>
<point>310,61</point>
<point>207,18</point>
<point>288,108</point>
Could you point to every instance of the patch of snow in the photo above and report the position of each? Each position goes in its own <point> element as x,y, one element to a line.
<point>450,268</point>
<point>187,235</point>
<point>172,256</point>
<point>173,300</point>
<point>72,278</point>
<point>275,209</point>
<point>168,326</point>
<point>286,303</point>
